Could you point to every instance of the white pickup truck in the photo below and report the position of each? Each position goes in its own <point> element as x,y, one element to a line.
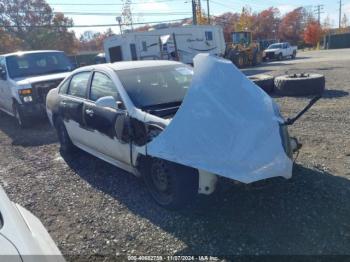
<point>280,51</point>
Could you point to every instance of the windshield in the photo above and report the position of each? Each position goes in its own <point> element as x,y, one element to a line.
<point>35,64</point>
<point>275,46</point>
<point>153,86</point>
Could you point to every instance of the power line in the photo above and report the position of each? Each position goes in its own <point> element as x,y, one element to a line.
<point>79,26</point>
<point>107,4</point>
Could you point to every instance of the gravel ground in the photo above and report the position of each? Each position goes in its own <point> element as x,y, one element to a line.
<point>90,207</point>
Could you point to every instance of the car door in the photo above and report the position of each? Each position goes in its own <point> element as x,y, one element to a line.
<point>5,89</point>
<point>71,107</point>
<point>101,121</point>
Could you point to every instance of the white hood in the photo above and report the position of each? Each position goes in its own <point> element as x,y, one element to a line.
<point>226,125</point>
<point>35,79</point>
<point>272,50</point>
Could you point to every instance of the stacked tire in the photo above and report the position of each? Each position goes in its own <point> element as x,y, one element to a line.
<point>265,82</point>
<point>299,85</point>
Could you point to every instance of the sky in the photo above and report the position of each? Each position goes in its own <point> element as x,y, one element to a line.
<point>163,10</point>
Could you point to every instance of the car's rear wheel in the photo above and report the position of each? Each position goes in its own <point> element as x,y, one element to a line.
<point>22,121</point>
<point>171,185</point>
<point>66,145</point>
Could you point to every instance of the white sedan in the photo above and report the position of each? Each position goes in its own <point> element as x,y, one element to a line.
<point>22,236</point>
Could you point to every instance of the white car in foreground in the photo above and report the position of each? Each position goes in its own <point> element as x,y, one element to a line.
<point>22,236</point>
<point>180,129</point>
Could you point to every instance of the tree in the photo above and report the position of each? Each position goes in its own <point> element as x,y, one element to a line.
<point>246,20</point>
<point>229,22</point>
<point>292,26</point>
<point>345,22</point>
<point>8,43</point>
<point>266,24</point>
<point>313,33</point>
<point>34,23</point>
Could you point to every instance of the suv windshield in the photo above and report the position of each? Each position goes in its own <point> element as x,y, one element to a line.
<point>155,86</point>
<point>275,46</point>
<point>35,64</point>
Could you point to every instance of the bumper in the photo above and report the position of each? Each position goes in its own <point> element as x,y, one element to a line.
<point>33,110</point>
<point>270,55</point>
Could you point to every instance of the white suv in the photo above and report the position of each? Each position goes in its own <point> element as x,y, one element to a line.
<point>181,130</point>
<point>25,80</point>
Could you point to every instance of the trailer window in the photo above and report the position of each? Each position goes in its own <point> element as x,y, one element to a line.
<point>144,46</point>
<point>209,35</point>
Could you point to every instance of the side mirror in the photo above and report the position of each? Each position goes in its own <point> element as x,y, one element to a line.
<point>109,102</point>
<point>3,73</point>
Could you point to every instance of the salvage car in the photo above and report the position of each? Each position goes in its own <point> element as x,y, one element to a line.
<point>22,236</point>
<point>25,80</point>
<point>179,128</point>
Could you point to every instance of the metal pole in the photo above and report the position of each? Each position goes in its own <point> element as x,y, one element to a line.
<point>208,8</point>
<point>340,6</point>
<point>194,12</point>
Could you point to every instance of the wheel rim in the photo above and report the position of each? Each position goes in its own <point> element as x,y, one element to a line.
<point>160,183</point>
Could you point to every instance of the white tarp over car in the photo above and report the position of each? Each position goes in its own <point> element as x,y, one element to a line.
<point>226,125</point>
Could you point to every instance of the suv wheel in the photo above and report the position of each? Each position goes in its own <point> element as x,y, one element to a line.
<point>171,185</point>
<point>22,121</point>
<point>66,145</point>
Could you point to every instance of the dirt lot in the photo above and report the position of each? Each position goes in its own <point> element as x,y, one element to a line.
<point>90,207</point>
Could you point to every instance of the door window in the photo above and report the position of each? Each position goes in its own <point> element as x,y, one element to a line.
<point>102,86</point>
<point>209,35</point>
<point>78,84</point>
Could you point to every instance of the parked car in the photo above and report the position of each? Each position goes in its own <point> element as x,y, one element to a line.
<point>178,129</point>
<point>25,80</point>
<point>280,51</point>
<point>22,236</point>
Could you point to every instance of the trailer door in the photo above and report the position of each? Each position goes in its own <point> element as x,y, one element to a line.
<point>115,54</point>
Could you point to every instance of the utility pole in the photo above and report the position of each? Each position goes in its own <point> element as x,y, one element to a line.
<point>194,12</point>
<point>340,12</point>
<point>208,10</point>
<point>319,11</point>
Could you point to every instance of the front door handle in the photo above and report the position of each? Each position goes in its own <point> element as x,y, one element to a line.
<point>89,112</point>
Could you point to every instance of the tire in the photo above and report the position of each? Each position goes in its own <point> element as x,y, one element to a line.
<point>300,85</point>
<point>66,145</point>
<point>265,82</point>
<point>294,55</point>
<point>171,185</point>
<point>22,121</point>
<point>280,57</point>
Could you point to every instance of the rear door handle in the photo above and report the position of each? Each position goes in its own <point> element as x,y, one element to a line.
<point>89,112</point>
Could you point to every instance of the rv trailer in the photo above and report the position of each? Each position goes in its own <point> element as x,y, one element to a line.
<point>174,43</point>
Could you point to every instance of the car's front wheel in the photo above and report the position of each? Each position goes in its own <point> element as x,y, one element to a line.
<point>171,185</point>
<point>66,145</point>
<point>22,121</point>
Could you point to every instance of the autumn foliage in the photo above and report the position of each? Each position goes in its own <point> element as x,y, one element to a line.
<point>312,33</point>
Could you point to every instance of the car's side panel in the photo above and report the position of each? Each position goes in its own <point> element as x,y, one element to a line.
<point>100,122</point>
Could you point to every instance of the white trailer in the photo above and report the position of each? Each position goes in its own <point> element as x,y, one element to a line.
<point>175,43</point>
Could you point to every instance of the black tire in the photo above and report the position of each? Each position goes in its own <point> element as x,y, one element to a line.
<point>66,145</point>
<point>280,57</point>
<point>265,82</point>
<point>22,121</point>
<point>294,55</point>
<point>300,85</point>
<point>171,185</point>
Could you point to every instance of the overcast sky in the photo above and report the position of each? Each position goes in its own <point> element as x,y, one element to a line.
<point>182,8</point>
